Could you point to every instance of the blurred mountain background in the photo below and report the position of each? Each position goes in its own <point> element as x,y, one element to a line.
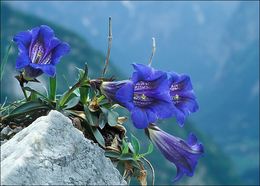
<point>216,43</point>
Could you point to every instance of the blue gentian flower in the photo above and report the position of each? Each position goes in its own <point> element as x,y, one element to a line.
<point>39,51</point>
<point>146,95</point>
<point>184,154</point>
<point>110,88</point>
<point>182,95</point>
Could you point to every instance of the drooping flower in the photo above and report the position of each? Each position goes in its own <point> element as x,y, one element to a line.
<point>184,154</point>
<point>182,95</point>
<point>39,51</point>
<point>146,95</point>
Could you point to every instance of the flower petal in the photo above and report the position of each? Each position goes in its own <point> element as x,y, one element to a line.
<point>23,41</point>
<point>188,106</point>
<point>178,176</point>
<point>143,71</point>
<point>192,139</point>
<point>22,60</point>
<point>46,35</point>
<point>180,117</point>
<point>34,33</point>
<point>159,88</point>
<point>163,109</point>
<point>146,73</point>
<point>54,42</point>
<point>151,115</point>
<point>124,95</point>
<point>60,50</point>
<point>139,118</point>
<point>50,70</point>
<point>182,82</point>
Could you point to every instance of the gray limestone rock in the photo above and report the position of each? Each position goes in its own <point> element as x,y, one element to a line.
<point>52,152</point>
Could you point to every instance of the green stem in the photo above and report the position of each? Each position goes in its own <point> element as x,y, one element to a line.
<point>100,98</point>
<point>52,88</point>
<point>3,63</point>
<point>82,82</point>
<point>24,92</point>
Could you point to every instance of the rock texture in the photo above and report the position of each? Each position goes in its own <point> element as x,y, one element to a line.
<point>51,151</point>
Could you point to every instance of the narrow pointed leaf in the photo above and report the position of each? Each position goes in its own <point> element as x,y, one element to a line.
<point>98,137</point>
<point>112,118</point>
<point>28,107</point>
<point>112,154</point>
<point>89,116</point>
<point>111,115</point>
<point>149,151</point>
<point>38,93</point>
<point>102,120</point>
<point>127,156</point>
<point>135,143</point>
<point>125,148</point>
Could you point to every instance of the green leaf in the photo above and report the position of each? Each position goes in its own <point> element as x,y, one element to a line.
<point>66,97</point>
<point>125,148</point>
<point>135,143</point>
<point>86,70</point>
<point>89,116</point>
<point>131,147</point>
<point>149,151</point>
<point>76,92</point>
<point>93,131</point>
<point>98,136</point>
<point>102,120</point>
<point>3,63</point>
<point>72,103</point>
<point>33,96</point>
<point>69,94</point>
<point>112,118</point>
<point>111,115</point>
<point>83,81</point>
<point>28,107</point>
<point>104,110</point>
<point>103,102</point>
<point>127,156</point>
<point>101,98</point>
<point>53,87</point>
<point>38,93</point>
<point>112,154</point>
<point>83,73</point>
<point>83,94</point>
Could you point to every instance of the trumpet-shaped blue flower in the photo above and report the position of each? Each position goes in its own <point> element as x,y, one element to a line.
<point>39,51</point>
<point>146,95</point>
<point>110,88</point>
<point>182,95</point>
<point>184,154</point>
